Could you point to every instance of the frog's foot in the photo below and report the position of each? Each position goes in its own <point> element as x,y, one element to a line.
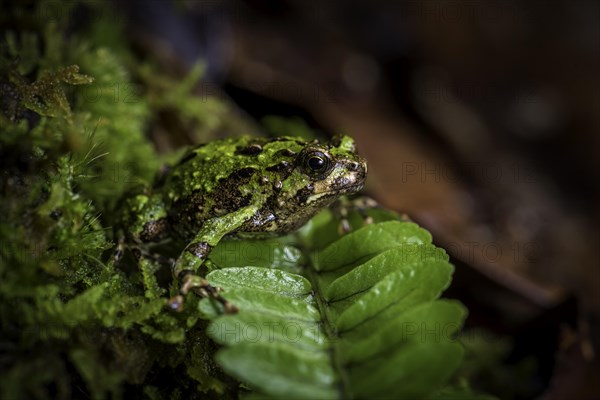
<point>139,252</point>
<point>119,250</point>
<point>361,205</point>
<point>201,287</point>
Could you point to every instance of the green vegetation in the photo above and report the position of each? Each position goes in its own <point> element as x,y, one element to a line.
<point>74,114</point>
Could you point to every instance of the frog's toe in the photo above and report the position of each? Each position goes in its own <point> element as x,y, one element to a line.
<point>120,250</point>
<point>344,227</point>
<point>362,205</point>
<point>175,303</point>
<point>200,286</point>
<point>230,308</point>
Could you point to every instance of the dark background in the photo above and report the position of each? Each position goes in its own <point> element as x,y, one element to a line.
<point>480,120</point>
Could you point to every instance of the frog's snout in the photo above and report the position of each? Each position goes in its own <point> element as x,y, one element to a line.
<point>358,168</point>
<point>356,173</point>
<point>348,176</point>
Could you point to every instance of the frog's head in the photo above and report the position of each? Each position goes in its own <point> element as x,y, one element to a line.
<point>333,169</point>
<point>322,173</point>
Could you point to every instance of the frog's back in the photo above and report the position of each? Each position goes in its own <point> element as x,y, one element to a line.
<point>225,175</point>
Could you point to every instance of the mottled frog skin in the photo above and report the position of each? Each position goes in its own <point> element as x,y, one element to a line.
<point>241,186</point>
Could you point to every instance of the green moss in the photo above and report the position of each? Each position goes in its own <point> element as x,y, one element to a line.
<point>77,115</point>
<point>74,113</point>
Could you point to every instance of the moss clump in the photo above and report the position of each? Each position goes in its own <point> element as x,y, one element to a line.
<point>75,110</point>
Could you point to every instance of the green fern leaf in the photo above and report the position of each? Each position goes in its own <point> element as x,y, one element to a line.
<point>358,318</point>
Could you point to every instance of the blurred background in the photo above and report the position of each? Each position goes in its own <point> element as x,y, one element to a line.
<point>480,121</point>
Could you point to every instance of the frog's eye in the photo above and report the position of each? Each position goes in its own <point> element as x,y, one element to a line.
<point>316,164</point>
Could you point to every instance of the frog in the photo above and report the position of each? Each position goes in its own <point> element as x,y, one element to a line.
<point>237,187</point>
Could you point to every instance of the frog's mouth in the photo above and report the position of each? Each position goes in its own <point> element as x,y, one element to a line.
<point>335,192</point>
<point>349,189</point>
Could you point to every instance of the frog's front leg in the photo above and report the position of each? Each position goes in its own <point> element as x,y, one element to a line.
<point>343,206</point>
<point>197,251</point>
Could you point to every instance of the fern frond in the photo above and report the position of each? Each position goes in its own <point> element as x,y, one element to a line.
<point>362,318</point>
